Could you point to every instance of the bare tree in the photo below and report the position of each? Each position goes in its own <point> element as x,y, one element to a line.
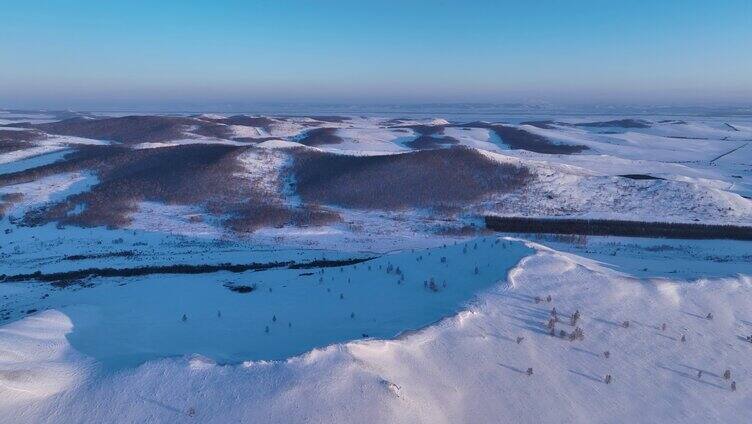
<point>575,317</point>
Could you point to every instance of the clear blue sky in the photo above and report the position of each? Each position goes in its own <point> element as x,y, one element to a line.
<point>79,54</point>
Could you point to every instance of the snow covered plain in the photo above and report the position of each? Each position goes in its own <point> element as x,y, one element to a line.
<point>440,323</point>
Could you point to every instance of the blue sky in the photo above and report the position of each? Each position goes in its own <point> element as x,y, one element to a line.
<point>81,54</point>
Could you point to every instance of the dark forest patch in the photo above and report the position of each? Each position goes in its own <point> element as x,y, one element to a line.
<point>640,177</point>
<point>135,129</point>
<point>619,123</point>
<point>65,277</point>
<point>120,254</point>
<point>425,178</point>
<point>545,125</point>
<point>204,176</point>
<point>606,227</point>
<point>334,119</point>
<point>520,139</point>
<point>21,135</point>
<point>319,137</point>
<point>248,121</point>
<point>12,140</point>
<point>423,142</point>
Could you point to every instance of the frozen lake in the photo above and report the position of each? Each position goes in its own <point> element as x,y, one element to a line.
<point>123,322</point>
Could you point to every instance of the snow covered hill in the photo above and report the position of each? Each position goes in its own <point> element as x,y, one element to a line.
<point>326,269</point>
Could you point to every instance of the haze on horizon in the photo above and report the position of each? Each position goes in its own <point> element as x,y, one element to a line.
<point>88,54</point>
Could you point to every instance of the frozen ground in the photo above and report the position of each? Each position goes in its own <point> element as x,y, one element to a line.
<point>440,324</point>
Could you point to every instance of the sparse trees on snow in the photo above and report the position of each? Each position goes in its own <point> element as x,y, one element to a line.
<point>607,354</point>
<point>529,371</point>
<point>607,380</point>
<point>520,339</point>
<point>727,375</point>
